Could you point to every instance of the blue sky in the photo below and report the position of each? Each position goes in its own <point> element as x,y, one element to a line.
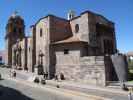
<point>119,11</point>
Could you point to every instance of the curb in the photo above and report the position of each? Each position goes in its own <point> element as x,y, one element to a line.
<point>96,88</point>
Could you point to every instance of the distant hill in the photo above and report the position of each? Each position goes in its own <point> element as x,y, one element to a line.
<point>130,53</point>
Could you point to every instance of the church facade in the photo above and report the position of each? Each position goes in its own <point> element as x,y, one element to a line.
<point>78,47</point>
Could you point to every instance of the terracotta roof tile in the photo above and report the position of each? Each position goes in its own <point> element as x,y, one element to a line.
<point>69,40</point>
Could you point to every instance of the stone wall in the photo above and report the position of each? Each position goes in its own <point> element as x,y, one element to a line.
<point>59,29</point>
<point>33,31</point>
<point>29,54</point>
<point>82,22</point>
<point>19,49</point>
<point>7,52</point>
<point>89,70</point>
<point>42,42</point>
<point>22,44</point>
<point>87,23</point>
<point>107,32</point>
<point>74,66</point>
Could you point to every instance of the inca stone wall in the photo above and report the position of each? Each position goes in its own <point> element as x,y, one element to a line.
<point>89,69</point>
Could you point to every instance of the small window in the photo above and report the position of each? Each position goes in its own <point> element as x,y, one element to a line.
<point>66,51</point>
<point>76,28</point>
<point>41,32</point>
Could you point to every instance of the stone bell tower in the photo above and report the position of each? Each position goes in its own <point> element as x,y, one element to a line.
<point>15,30</point>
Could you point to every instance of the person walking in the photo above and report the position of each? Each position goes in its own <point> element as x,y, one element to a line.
<point>56,77</point>
<point>14,74</point>
<point>130,94</point>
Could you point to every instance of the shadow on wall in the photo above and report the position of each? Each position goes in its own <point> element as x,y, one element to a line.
<point>7,93</point>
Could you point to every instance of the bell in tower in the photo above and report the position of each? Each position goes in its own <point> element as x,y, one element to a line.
<point>15,30</point>
<point>71,14</point>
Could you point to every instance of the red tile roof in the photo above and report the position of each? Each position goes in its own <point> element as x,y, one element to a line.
<point>69,40</point>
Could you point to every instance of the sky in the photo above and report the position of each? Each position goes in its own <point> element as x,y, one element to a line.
<point>118,11</point>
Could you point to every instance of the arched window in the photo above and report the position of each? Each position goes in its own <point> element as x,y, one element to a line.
<point>76,28</point>
<point>41,32</point>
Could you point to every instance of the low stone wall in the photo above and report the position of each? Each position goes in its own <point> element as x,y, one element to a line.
<point>91,70</point>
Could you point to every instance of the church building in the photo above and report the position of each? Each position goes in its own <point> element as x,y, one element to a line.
<point>78,47</point>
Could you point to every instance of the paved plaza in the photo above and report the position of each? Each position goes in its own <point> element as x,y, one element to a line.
<point>31,91</point>
<point>16,91</point>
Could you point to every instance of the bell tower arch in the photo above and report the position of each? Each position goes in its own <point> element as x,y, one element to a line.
<point>15,30</point>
